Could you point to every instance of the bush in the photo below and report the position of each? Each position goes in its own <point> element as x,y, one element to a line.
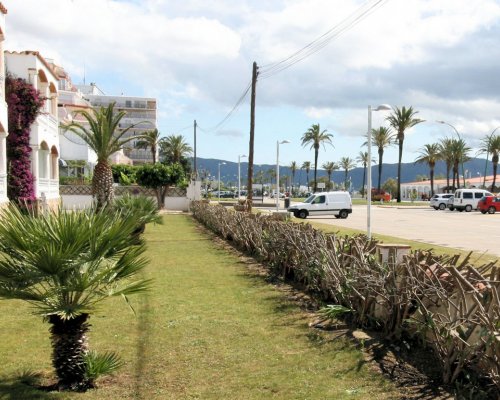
<point>123,169</point>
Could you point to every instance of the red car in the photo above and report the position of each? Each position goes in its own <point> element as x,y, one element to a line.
<point>489,204</point>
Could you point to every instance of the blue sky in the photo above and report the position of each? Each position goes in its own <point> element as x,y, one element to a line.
<point>440,56</point>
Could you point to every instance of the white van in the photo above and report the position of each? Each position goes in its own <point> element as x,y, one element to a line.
<point>338,204</point>
<point>467,199</point>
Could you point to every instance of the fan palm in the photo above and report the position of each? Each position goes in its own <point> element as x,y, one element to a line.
<point>460,154</point>
<point>306,165</point>
<point>430,154</point>
<point>402,119</point>
<point>65,264</point>
<point>382,138</point>
<point>329,167</point>
<point>174,148</point>
<point>363,159</point>
<point>150,140</point>
<point>316,137</point>
<point>104,137</point>
<point>346,163</point>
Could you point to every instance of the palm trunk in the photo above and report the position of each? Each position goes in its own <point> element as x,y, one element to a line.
<point>69,346</point>
<point>399,170</point>
<point>432,181</point>
<point>364,181</point>
<point>315,170</point>
<point>380,155</point>
<point>448,167</point>
<point>102,185</point>
<point>495,166</point>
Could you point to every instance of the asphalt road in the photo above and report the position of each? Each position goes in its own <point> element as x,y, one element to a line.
<point>461,230</point>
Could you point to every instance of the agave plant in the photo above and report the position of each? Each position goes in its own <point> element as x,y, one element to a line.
<point>64,264</point>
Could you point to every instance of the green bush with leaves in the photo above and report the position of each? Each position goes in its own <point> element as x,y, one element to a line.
<point>64,264</point>
<point>142,209</point>
<point>119,170</point>
<point>159,177</point>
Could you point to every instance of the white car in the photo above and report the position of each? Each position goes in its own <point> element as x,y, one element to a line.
<point>440,200</point>
<point>338,204</point>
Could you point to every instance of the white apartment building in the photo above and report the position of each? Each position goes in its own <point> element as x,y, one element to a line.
<point>4,123</point>
<point>44,135</point>
<point>141,112</point>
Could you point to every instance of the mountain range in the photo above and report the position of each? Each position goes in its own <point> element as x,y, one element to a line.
<point>410,171</point>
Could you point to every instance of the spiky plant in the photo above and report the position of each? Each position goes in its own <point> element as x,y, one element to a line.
<point>102,134</point>
<point>142,208</point>
<point>65,264</point>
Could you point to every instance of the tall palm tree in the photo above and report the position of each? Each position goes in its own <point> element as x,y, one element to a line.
<point>430,154</point>
<point>329,167</point>
<point>346,164</point>
<point>363,159</point>
<point>306,165</point>
<point>460,152</point>
<point>382,138</point>
<point>65,264</point>
<point>446,154</point>
<point>316,137</point>
<point>174,148</point>
<point>293,169</point>
<point>151,140</point>
<point>402,119</point>
<point>492,146</point>
<point>104,138</point>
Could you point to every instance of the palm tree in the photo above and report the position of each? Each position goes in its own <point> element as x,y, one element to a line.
<point>307,166</point>
<point>382,138</point>
<point>104,138</point>
<point>346,164</point>
<point>293,169</point>
<point>65,264</point>
<point>430,154</point>
<point>174,149</point>
<point>446,154</point>
<point>363,159</point>
<point>492,145</point>
<point>460,152</point>
<point>329,167</point>
<point>316,137</point>
<point>402,119</point>
<point>151,139</point>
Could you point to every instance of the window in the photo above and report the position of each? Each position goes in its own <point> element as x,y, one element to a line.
<point>468,195</point>
<point>478,195</point>
<point>319,200</point>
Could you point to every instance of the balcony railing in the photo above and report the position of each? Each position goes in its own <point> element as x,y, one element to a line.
<point>3,187</point>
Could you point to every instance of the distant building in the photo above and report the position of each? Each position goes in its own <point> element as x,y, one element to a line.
<point>141,112</point>
<point>422,189</point>
<point>44,135</point>
<point>4,123</point>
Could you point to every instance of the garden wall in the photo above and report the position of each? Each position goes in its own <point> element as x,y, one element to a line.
<point>80,196</point>
<point>441,301</point>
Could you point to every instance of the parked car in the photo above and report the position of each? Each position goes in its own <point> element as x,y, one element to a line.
<point>440,200</point>
<point>449,205</point>
<point>489,204</point>
<point>338,204</point>
<point>467,199</point>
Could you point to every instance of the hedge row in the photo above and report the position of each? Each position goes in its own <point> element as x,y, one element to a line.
<point>447,305</point>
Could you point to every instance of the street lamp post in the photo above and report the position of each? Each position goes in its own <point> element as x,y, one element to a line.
<point>221,163</point>
<point>369,170</point>
<point>459,138</point>
<point>239,174</point>
<point>278,172</point>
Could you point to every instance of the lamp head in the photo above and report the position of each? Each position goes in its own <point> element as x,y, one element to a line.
<point>284,141</point>
<point>382,107</point>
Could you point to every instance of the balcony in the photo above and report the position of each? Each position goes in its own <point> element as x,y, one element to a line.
<point>3,187</point>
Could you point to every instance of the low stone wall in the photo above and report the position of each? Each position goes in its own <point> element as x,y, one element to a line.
<point>80,196</point>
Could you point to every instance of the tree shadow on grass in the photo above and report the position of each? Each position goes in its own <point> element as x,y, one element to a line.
<point>25,385</point>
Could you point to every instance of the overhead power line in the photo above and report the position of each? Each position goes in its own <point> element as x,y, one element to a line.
<point>316,45</point>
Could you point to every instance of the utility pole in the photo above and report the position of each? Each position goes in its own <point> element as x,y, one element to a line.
<point>252,135</point>
<point>194,160</point>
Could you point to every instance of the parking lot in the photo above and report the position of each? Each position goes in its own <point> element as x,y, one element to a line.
<point>461,230</point>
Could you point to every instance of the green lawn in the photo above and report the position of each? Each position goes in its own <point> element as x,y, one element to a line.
<point>209,329</point>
